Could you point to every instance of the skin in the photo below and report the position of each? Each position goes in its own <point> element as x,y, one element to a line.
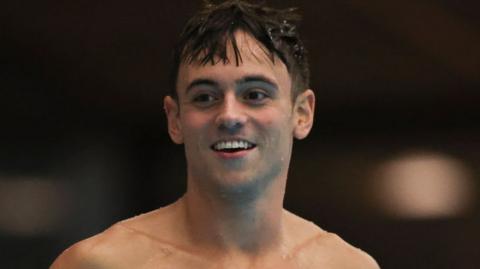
<point>238,201</point>
<point>232,214</point>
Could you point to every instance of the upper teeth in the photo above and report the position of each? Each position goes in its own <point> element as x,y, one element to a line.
<point>232,145</point>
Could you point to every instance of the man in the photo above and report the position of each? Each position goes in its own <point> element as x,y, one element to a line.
<point>241,79</point>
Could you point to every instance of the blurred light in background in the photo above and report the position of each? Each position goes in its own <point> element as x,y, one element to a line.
<point>31,206</point>
<point>423,185</point>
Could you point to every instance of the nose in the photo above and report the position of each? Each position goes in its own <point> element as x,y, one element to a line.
<point>231,117</point>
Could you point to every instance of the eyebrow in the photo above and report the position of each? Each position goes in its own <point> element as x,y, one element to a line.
<point>202,82</point>
<point>257,78</point>
<point>247,79</point>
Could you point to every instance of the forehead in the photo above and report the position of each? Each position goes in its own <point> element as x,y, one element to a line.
<point>253,59</point>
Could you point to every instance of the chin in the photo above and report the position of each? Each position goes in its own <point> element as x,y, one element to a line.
<point>241,185</point>
<point>235,179</point>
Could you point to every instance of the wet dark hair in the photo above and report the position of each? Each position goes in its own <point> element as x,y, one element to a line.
<point>206,36</point>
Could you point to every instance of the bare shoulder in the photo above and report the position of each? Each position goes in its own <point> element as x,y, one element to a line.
<point>118,247</point>
<point>128,244</point>
<point>328,250</point>
<point>343,253</point>
<point>88,253</point>
<point>321,249</point>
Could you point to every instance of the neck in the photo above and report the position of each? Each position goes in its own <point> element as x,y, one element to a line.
<point>239,222</point>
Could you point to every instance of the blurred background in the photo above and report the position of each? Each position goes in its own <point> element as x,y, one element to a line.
<point>392,164</point>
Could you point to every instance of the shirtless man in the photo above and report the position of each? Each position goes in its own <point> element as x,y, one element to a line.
<point>241,97</point>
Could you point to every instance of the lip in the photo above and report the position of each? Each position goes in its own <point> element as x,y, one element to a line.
<point>233,155</point>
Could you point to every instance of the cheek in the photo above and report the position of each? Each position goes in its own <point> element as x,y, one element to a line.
<point>192,117</point>
<point>274,119</point>
<point>193,124</point>
<point>275,128</point>
<point>278,135</point>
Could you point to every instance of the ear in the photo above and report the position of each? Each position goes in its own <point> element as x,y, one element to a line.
<point>304,110</point>
<point>174,126</point>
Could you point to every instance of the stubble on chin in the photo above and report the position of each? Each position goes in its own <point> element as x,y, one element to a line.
<point>240,186</point>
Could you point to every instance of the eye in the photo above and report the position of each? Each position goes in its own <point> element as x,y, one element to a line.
<point>256,96</point>
<point>204,99</point>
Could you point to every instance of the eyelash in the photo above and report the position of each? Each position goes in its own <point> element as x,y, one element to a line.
<point>263,94</point>
<point>208,99</point>
<point>199,99</point>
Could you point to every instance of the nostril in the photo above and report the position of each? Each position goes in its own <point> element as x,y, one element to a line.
<point>231,123</point>
<point>231,117</point>
<point>230,126</point>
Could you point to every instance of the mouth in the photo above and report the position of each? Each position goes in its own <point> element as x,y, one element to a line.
<point>232,146</point>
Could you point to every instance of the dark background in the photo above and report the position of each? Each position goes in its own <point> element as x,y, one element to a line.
<point>83,139</point>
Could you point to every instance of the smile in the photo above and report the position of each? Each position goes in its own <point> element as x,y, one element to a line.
<point>232,145</point>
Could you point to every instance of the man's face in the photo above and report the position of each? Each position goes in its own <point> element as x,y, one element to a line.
<point>237,122</point>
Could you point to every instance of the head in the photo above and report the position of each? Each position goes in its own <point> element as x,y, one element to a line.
<point>238,103</point>
<point>207,35</point>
